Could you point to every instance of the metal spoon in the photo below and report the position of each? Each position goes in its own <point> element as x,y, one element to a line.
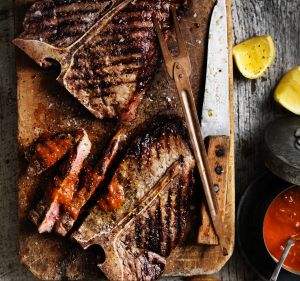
<point>289,244</point>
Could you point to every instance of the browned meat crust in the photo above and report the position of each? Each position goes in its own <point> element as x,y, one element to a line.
<point>156,179</point>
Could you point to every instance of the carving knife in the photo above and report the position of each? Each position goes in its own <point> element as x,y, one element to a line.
<point>215,122</point>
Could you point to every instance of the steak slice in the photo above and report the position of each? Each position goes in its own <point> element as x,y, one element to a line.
<point>109,68</point>
<point>47,151</point>
<point>60,191</point>
<point>93,178</point>
<point>155,180</point>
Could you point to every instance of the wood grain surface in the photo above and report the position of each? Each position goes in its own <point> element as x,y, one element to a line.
<point>254,107</point>
<point>45,106</point>
<point>218,155</point>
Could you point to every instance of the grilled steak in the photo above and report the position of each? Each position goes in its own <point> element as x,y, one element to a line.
<point>60,191</point>
<point>46,151</point>
<point>92,180</point>
<point>116,67</point>
<point>143,214</point>
<point>109,68</point>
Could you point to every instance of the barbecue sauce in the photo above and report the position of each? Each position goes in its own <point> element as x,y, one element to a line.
<point>281,222</point>
<point>92,181</point>
<point>114,198</point>
<point>50,151</point>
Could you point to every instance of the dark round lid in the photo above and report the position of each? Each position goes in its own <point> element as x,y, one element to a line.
<point>282,144</point>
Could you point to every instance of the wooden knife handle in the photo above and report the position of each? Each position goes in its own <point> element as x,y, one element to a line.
<point>218,157</point>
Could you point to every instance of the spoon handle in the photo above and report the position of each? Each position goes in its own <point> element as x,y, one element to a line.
<point>289,244</point>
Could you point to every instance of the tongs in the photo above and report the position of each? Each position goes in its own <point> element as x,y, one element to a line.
<point>179,69</point>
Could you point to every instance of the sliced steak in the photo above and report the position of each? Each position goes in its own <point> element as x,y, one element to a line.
<point>143,214</point>
<point>110,67</point>
<point>93,178</point>
<point>60,191</point>
<point>47,151</point>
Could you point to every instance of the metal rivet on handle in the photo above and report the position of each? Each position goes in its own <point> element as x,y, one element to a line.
<point>216,188</point>
<point>220,152</point>
<point>219,170</point>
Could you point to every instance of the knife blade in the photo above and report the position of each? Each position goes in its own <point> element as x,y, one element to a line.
<point>215,122</point>
<point>215,112</point>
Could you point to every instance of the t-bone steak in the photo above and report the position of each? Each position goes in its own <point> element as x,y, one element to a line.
<point>143,214</point>
<point>107,50</point>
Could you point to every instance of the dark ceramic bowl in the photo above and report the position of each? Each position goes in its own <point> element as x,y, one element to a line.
<point>250,217</point>
<point>275,259</point>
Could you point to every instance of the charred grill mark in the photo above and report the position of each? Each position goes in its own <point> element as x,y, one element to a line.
<point>141,7</point>
<point>148,230</point>
<point>104,85</point>
<point>125,19</point>
<point>70,31</point>
<point>146,145</point>
<point>168,223</point>
<point>190,186</point>
<point>179,216</point>
<point>139,24</point>
<point>119,61</point>
<point>158,229</point>
<point>138,234</point>
<point>67,33</point>
<point>67,2</point>
<point>117,41</point>
<point>137,35</point>
<point>74,22</point>
<point>101,73</point>
<point>120,50</point>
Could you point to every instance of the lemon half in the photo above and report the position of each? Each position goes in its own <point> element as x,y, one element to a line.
<point>254,56</point>
<point>287,92</point>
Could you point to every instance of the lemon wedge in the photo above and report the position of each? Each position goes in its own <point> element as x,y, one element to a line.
<point>254,56</point>
<point>287,92</point>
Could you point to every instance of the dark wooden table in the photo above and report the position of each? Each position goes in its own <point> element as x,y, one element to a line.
<point>254,108</point>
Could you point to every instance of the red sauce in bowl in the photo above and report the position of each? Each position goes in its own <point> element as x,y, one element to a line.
<point>282,221</point>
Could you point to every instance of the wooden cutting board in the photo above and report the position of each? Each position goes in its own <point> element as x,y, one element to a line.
<point>44,106</point>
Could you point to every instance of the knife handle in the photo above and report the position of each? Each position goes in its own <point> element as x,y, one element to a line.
<point>218,158</point>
